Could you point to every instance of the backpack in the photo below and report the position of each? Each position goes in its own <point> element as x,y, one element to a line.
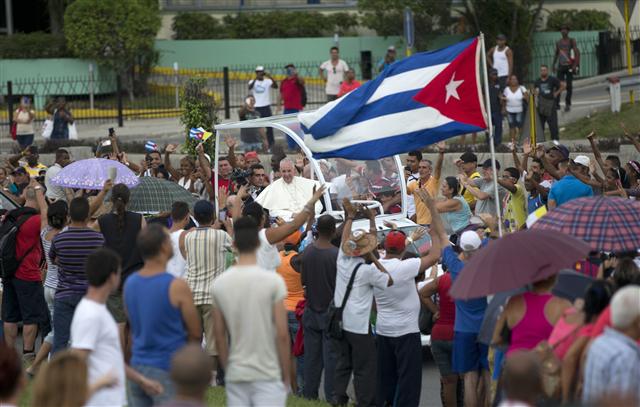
<point>9,228</point>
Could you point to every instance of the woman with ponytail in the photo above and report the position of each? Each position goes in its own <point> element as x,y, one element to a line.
<point>53,221</point>
<point>120,229</point>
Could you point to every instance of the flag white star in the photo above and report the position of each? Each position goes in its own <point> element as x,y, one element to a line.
<point>452,88</point>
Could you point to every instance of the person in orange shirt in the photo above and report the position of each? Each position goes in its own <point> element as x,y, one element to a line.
<point>350,83</point>
<point>295,294</point>
<point>429,180</point>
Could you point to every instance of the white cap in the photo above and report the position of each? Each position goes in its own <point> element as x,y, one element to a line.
<point>582,160</point>
<point>391,48</point>
<point>470,241</point>
<point>259,68</point>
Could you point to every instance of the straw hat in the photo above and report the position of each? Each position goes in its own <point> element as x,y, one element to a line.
<point>360,243</point>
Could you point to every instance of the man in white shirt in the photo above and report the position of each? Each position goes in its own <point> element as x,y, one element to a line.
<point>248,308</point>
<point>94,334</point>
<point>357,348</point>
<point>55,192</point>
<point>332,72</point>
<point>397,331</point>
<point>260,87</point>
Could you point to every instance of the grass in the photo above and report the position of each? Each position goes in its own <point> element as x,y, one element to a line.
<point>215,397</point>
<point>605,124</point>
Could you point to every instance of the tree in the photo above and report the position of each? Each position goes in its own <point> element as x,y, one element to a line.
<point>116,33</point>
<point>579,20</point>
<point>518,20</point>
<point>198,110</point>
<point>56,14</point>
<point>195,26</point>
<point>431,17</point>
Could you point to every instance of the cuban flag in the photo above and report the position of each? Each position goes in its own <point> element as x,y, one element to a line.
<point>200,134</point>
<point>420,100</point>
<point>150,146</point>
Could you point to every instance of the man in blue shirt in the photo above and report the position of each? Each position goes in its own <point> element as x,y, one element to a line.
<point>469,356</point>
<point>570,187</point>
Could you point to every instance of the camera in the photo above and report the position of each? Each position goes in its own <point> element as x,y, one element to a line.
<point>240,177</point>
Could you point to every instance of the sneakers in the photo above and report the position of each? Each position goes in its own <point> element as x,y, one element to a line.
<point>27,359</point>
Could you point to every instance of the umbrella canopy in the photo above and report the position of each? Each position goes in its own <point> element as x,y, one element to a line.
<point>154,195</point>
<point>92,174</point>
<point>571,285</point>
<point>516,260</point>
<point>608,224</point>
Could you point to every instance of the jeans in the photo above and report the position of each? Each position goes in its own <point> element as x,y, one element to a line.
<point>293,331</point>
<point>565,74</point>
<point>49,294</point>
<point>496,120</point>
<point>292,144</point>
<point>552,121</point>
<point>63,309</point>
<point>138,397</point>
<point>265,111</point>
<point>399,370</point>
<point>319,353</point>
<point>357,355</point>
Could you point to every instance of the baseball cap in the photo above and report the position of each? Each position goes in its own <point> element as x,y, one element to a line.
<point>501,37</point>
<point>19,171</point>
<point>487,164</point>
<point>259,68</point>
<point>582,160</point>
<point>395,240</point>
<point>203,208</point>
<point>391,48</point>
<point>562,148</point>
<point>288,66</point>
<point>251,155</point>
<point>470,241</point>
<point>469,157</point>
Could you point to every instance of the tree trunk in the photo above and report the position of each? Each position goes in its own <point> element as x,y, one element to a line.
<point>56,15</point>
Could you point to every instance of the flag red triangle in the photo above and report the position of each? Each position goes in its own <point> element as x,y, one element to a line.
<point>455,92</point>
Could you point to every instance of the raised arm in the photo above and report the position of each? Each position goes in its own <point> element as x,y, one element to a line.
<point>437,172</point>
<point>553,171</point>
<point>205,165</point>
<point>277,234</point>
<point>171,148</point>
<point>474,190</point>
<point>231,154</point>
<point>99,199</point>
<point>508,185</point>
<point>634,140</point>
<point>596,152</point>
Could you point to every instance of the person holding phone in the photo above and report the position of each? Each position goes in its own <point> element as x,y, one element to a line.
<point>23,117</point>
<point>260,88</point>
<point>332,72</point>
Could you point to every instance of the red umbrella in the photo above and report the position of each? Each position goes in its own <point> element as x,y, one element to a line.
<point>516,260</point>
<point>609,224</point>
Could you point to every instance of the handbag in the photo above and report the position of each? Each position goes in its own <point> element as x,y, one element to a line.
<point>334,314</point>
<point>73,131</point>
<point>14,130</point>
<point>552,365</point>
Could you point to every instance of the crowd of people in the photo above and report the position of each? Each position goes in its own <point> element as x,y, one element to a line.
<point>258,288</point>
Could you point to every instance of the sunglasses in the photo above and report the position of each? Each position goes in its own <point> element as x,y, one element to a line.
<point>334,69</point>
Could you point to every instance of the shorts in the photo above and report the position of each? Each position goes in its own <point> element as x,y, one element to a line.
<point>258,394</point>
<point>515,120</point>
<point>442,352</point>
<point>469,355</point>
<point>206,319</point>
<point>23,301</point>
<point>116,308</point>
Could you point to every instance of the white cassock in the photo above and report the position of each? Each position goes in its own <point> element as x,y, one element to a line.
<point>284,200</point>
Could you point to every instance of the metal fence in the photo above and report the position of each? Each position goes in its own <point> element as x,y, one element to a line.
<point>105,100</point>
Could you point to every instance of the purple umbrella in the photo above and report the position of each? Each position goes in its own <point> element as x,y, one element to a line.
<point>516,260</point>
<point>92,174</point>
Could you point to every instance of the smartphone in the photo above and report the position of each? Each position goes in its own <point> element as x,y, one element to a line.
<point>105,143</point>
<point>112,132</point>
<point>113,172</point>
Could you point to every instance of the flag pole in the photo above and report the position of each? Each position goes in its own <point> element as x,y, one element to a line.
<point>490,129</point>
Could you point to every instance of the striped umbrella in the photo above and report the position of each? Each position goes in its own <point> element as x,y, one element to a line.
<point>155,195</point>
<point>608,224</point>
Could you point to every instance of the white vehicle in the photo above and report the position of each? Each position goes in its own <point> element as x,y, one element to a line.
<point>352,179</point>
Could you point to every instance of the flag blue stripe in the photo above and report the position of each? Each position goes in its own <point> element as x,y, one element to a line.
<point>385,147</point>
<point>396,103</point>
<point>353,105</point>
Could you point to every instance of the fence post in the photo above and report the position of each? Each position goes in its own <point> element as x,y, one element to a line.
<point>176,80</point>
<point>91,87</point>
<point>119,96</point>
<point>225,82</point>
<point>10,104</point>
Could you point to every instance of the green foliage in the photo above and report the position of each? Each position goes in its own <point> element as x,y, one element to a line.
<point>273,24</point>
<point>113,33</point>
<point>33,45</point>
<point>518,20</point>
<point>199,110</point>
<point>195,26</point>
<point>431,17</point>
<point>579,20</point>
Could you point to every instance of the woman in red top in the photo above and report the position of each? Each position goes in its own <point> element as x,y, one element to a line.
<point>442,334</point>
